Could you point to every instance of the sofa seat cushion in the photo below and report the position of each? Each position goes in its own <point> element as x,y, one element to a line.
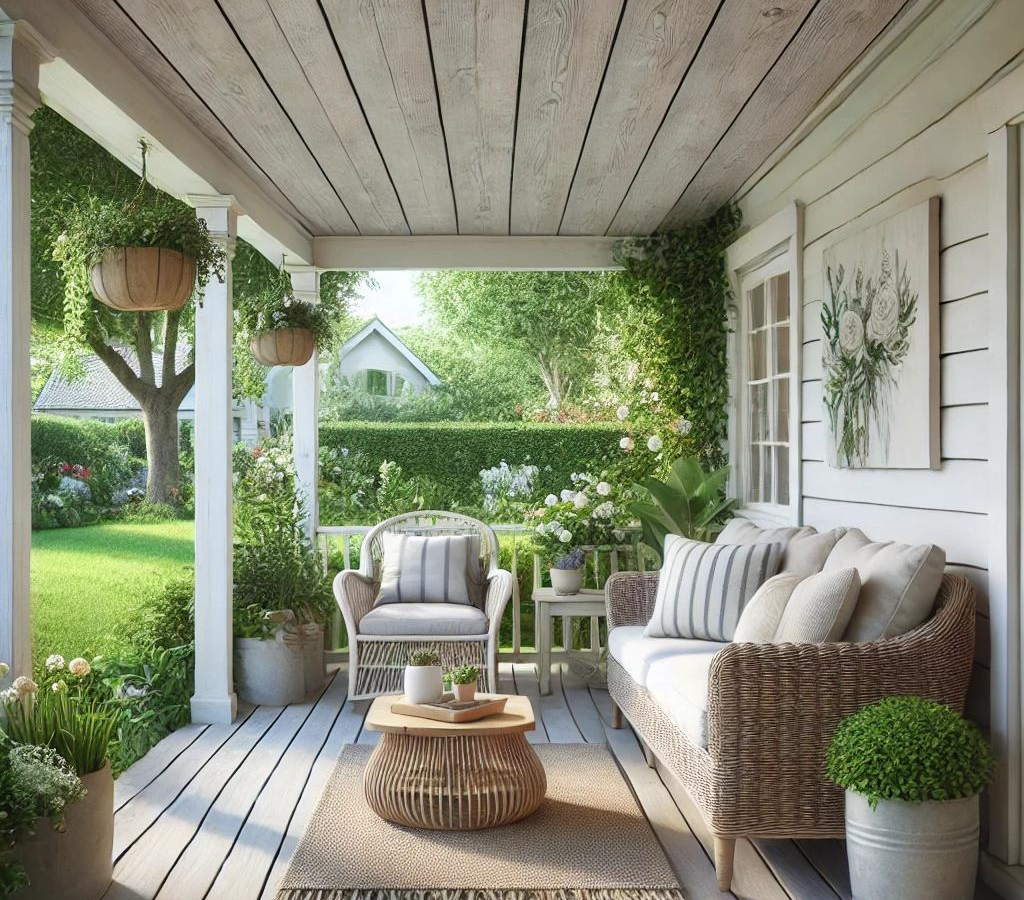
<point>441,619</point>
<point>679,685</point>
<point>636,652</point>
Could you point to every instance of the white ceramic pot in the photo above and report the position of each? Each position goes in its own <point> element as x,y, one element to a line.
<point>423,684</point>
<point>566,581</point>
<point>77,863</point>
<point>270,672</point>
<point>314,670</point>
<point>464,692</point>
<point>912,851</point>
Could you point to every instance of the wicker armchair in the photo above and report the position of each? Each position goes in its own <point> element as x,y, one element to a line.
<point>377,662</point>
<point>772,710</point>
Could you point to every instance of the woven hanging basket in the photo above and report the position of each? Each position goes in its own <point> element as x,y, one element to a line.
<point>144,279</point>
<point>283,347</point>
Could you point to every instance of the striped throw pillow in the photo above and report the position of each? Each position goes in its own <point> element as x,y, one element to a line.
<point>428,569</point>
<point>703,587</point>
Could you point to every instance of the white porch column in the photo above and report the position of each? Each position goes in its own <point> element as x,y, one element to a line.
<point>306,407</point>
<point>214,700</point>
<point>19,97</point>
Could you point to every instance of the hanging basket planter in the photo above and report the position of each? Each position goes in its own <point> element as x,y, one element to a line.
<point>143,279</point>
<point>283,347</point>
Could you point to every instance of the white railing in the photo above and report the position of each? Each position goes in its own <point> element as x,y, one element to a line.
<point>632,554</point>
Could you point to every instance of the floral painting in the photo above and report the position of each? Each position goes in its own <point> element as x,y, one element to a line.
<point>880,355</point>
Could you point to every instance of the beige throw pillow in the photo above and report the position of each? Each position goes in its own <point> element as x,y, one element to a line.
<point>819,608</point>
<point>804,553</point>
<point>761,616</point>
<point>899,584</point>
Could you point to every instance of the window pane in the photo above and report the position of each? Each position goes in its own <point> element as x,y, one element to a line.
<point>758,362</point>
<point>376,382</point>
<point>756,300</point>
<point>780,297</point>
<point>758,412</point>
<point>766,476</point>
<point>781,388</point>
<point>780,334</point>
<point>754,478</point>
<point>782,470</point>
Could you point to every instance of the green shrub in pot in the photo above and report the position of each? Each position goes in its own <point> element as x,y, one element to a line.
<point>912,770</point>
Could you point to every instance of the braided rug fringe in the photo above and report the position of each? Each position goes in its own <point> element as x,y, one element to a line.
<point>483,894</point>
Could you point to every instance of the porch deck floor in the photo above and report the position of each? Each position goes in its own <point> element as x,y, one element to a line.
<point>216,811</point>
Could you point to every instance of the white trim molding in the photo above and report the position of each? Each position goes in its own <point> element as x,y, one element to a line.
<point>306,409</point>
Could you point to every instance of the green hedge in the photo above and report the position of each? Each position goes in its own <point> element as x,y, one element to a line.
<point>84,441</point>
<point>451,454</point>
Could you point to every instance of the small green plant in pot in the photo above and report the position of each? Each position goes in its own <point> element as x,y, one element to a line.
<point>464,681</point>
<point>423,677</point>
<point>913,771</point>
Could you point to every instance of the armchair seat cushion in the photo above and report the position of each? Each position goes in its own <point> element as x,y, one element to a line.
<point>436,619</point>
<point>679,685</point>
<point>637,653</point>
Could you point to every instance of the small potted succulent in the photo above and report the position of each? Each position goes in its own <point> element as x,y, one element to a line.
<point>423,682</point>
<point>912,770</point>
<point>464,680</point>
<point>567,572</point>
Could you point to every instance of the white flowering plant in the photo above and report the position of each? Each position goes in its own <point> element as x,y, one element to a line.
<point>507,490</point>
<point>277,307</point>
<point>346,486</point>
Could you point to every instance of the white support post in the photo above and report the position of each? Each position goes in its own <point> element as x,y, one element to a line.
<point>20,55</point>
<point>214,700</point>
<point>306,407</point>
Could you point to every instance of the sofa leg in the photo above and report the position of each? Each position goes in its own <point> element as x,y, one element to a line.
<point>725,850</point>
<point>616,716</point>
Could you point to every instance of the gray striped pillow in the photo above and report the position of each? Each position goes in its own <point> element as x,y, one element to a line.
<point>704,587</point>
<point>427,569</point>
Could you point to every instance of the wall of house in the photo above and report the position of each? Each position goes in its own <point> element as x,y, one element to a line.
<point>374,352</point>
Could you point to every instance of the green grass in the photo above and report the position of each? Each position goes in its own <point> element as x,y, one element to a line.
<point>85,581</point>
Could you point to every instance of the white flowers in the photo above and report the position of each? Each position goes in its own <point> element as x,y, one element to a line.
<point>626,444</point>
<point>851,332</point>
<point>654,443</point>
<point>603,488</point>
<point>59,687</point>
<point>683,426</point>
<point>884,319</point>
<point>24,686</point>
<point>567,495</point>
<point>581,500</point>
<point>550,500</point>
<point>655,396</point>
<point>53,662</point>
<point>541,529</point>
<point>565,536</point>
<point>622,412</point>
<point>604,510</point>
<point>79,667</point>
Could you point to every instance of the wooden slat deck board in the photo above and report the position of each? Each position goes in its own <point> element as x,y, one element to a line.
<point>215,813</point>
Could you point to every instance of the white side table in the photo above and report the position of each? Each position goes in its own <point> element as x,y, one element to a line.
<point>548,605</point>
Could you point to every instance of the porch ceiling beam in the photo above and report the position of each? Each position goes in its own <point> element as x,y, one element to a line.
<point>96,87</point>
<point>523,252</point>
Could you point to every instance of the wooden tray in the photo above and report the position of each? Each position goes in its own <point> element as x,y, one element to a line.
<point>446,711</point>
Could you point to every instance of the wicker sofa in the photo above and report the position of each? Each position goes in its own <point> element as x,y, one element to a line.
<point>755,763</point>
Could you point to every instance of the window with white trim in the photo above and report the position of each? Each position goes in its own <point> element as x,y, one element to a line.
<point>766,387</point>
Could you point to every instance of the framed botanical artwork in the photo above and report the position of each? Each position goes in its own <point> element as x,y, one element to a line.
<point>880,352</point>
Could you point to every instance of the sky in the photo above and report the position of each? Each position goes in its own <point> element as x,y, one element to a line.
<point>394,301</point>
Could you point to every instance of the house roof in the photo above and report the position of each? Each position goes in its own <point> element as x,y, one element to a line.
<point>98,390</point>
<point>376,326</point>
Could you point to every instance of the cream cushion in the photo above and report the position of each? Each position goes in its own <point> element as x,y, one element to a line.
<point>820,608</point>
<point>804,549</point>
<point>679,685</point>
<point>442,619</point>
<point>761,616</point>
<point>899,584</point>
<point>637,653</point>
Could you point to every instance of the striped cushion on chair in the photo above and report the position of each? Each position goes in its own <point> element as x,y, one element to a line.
<point>431,569</point>
<point>703,588</point>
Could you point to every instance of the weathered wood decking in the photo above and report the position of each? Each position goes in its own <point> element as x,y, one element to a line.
<point>216,811</point>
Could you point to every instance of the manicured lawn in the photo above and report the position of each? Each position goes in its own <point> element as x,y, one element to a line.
<point>85,581</point>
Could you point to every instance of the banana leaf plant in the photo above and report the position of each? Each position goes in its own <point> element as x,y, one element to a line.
<point>691,503</point>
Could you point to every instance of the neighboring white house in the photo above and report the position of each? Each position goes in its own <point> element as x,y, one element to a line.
<point>374,359</point>
<point>97,394</point>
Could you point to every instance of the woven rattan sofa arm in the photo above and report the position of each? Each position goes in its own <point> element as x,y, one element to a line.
<point>773,708</point>
<point>499,591</point>
<point>629,597</point>
<point>354,593</point>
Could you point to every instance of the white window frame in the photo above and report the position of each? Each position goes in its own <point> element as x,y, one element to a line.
<point>770,248</point>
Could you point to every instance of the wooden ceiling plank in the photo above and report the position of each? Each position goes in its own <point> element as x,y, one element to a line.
<point>566,51</point>
<point>113,22</point>
<point>199,43</point>
<point>385,49</point>
<point>746,39</point>
<point>294,51</point>
<point>476,46</point>
<point>832,39</point>
<point>656,43</point>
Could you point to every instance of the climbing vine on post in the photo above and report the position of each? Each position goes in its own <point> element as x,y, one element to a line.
<point>676,322</point>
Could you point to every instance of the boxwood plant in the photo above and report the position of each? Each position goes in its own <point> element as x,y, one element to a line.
<point>906,748</point>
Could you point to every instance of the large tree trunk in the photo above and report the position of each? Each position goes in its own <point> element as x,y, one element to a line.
<point>160,415</point>
<point>554,380</point>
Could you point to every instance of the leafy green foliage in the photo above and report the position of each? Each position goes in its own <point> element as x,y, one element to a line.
<point>674,322</point>
<point>85,441</point>
<point>906,748</point>
<point>691,502</point>
<point>424,658</point>
<point>464,675</point>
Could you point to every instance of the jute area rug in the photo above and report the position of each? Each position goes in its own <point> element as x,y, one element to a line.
<point>588,841</point>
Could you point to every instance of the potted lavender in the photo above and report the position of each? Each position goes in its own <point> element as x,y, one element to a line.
<point>567,572</point>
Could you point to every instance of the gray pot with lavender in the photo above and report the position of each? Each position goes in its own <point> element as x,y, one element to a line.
<point>567,573</point>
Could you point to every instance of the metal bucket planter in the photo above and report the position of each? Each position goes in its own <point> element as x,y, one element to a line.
<point>270,672</point>
<point>314,670</point>
<point>913,851</point>
<point>77,863</point>
<point>143,279</point>
<point>283,347</point>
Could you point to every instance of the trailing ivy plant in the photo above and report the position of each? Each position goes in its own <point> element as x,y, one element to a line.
<point>275,306</point>
<point>675,322</point>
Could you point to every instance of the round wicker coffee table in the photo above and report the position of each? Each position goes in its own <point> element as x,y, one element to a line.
<point>453,777</point>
